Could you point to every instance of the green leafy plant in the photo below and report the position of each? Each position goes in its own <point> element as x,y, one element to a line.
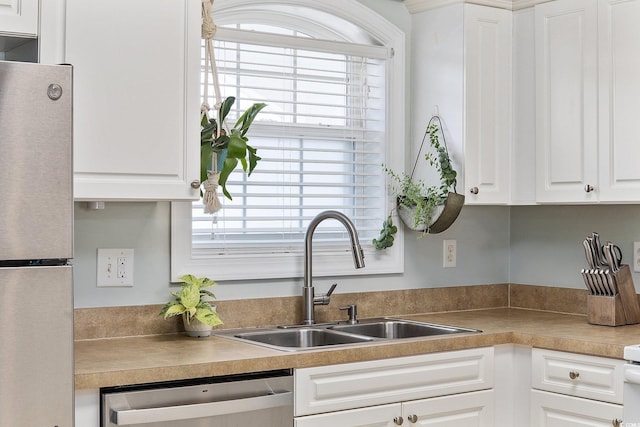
<point>189,302</point>
<point>418,197</point>
<point>385,239</point>
<point>231,146</point>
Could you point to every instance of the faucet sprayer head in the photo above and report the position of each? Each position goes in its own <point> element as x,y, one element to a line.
<point>358,255</point>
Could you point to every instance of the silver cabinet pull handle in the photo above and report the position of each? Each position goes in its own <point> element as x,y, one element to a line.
<point>199,410</point>
<point>588,188</point>
<point>413,418</point>
<point>474,190</point>
<point>616,423</point>
<point>398,421</point>
<point>195,184</point>
<point>574,375</point>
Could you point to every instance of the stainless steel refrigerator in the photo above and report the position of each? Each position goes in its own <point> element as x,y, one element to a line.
<point>36,246</point>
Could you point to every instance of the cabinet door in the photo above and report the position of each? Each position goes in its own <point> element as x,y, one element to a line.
<point>19,17</point>
<point>375,416</point>
<point>487,40</point>
<point>467,409</point>
<point>566,101</point>
<point>619,44</point>
<point>557,410</point>
<point>136,96</point>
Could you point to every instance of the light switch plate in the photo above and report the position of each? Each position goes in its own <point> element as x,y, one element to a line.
<point>114,267</point>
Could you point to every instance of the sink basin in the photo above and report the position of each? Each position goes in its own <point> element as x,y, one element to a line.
<point>397,329</point>
<point>300,338</point>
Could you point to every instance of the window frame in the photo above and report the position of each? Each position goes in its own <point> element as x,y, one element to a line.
<point>331,261</point>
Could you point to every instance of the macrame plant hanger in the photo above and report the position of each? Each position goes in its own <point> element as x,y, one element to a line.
<point>210,199</point>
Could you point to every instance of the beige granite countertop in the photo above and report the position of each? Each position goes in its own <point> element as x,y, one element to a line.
<point>132,360</point>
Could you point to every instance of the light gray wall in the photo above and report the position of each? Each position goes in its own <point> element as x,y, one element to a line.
<point>537,245</point>
<point>143,227</point>
<point>546,241</point>
<point>482,235</point>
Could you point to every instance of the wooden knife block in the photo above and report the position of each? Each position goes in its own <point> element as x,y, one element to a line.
<point>622,309</point>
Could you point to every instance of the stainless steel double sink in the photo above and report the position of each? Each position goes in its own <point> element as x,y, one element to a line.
<point>296,338</point>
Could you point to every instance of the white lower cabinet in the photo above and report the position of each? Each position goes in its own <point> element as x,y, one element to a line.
<point>441,389</point>
<point>467,409</point>
<point>575,390</point>
<point>556,410</point>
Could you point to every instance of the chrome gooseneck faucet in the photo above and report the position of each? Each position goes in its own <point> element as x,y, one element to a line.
<point>309,300</point>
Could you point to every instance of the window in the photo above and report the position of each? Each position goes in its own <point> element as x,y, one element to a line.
<point>332,103</point>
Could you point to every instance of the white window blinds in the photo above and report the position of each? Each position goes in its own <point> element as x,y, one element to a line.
<point>321,140</point>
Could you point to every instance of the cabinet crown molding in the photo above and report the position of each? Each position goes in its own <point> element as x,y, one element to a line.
<point>416,6</point>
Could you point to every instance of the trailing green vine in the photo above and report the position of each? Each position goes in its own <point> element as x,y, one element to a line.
<point>386,237</point>
<point>448,176</point>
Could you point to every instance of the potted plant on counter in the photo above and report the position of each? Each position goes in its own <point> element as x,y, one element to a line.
<point>428,209</point>
<point>198,315</point>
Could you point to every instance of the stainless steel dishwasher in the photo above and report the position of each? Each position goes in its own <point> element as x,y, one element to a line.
<point>261,399</point>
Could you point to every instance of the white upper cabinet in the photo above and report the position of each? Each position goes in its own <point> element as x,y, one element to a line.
<point>619,111</point>
<point>586,102</point>
<point>462,71</point>
<point>19,17</point>
<point>136,94</point>
<point>488,88</point>
<point>566,101</point>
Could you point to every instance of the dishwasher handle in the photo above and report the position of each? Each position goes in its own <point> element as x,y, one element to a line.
<point>200,410</point>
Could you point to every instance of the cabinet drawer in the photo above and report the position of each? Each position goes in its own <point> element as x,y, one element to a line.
<point>578,375</point>
<point>550,409</point>
<point>353,385</point>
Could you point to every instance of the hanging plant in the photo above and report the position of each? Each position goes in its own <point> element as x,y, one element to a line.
<point>418,203</point>
<point>221,148</point>
<point>231,147</point>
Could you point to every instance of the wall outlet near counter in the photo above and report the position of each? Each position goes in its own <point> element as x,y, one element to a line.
<point>449,253</point>
<point>114,267</point>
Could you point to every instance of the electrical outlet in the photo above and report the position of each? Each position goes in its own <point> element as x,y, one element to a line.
<point>636,257</point>
<point>114,267</point>
<point>449,253</point>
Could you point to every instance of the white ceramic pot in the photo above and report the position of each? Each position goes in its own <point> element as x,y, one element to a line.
<point>195,328</point>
